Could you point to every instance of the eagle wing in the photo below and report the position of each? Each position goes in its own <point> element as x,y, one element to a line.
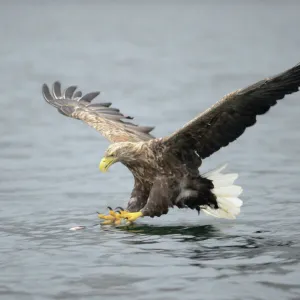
<point>110,122</point>
<point>225,121</point>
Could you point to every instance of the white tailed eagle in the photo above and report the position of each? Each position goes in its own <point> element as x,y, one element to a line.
<point>165,170</point>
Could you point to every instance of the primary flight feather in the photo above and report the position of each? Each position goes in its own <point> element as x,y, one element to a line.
<point>165,169</point>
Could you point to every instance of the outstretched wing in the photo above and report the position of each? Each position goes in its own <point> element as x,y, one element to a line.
<point>105,119</point>
<point>227,119</point>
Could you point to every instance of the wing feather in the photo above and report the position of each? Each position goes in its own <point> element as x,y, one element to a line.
<point>225,121</point>
<point>77,94</point>
<point>69,91</point>
<point>105,119</point>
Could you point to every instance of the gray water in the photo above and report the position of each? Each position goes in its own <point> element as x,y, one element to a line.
<point>163,63</point>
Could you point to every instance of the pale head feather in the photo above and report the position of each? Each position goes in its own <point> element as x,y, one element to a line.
<point>125,151</point>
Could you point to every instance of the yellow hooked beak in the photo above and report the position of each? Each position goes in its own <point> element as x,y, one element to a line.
<point>106,162</point>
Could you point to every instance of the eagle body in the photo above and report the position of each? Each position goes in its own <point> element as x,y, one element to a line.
<point>168,178</point>
<point>166,170</point>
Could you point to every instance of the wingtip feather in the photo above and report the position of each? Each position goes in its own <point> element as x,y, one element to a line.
<point>69,92</point>
<point>89,96</point>
<point>56,89</point>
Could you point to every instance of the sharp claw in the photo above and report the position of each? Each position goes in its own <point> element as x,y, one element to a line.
<point>119,208</point>
<point>109,208</point>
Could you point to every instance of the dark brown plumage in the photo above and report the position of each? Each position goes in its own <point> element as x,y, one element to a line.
<point>166,169</point>
<point>227,119</point>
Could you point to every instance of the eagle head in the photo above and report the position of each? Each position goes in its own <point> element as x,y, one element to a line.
<point>125,152</point>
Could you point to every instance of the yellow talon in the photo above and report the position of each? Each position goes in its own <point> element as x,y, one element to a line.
<point>118,222</point>
<point>118,218</point>
<point>111,218</point>
<point>107,222</point>
<point>113,213</point>
<point>106,217</point>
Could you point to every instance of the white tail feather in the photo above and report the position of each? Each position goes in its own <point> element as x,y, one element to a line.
<point>227,194</point>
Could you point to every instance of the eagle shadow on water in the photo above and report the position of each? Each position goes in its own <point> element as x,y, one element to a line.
<point>184,233</point>
<point>166,170</point>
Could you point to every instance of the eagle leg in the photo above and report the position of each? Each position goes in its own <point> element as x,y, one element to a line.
<point>158,202</point>
<point>131,216</point>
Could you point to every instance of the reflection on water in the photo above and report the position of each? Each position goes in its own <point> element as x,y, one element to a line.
<point>163,64</point>
<point>207,241</point>
<point>195,233</point>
